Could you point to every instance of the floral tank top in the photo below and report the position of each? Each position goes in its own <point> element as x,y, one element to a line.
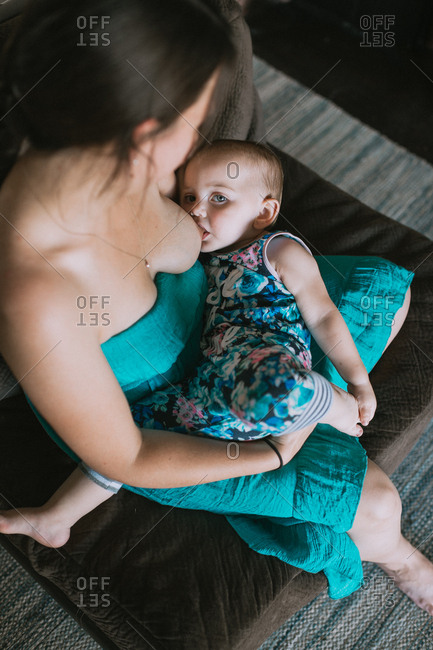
<point>247,302</point>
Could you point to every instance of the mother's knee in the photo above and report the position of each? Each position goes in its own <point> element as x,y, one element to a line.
<point>381,498</point>
<point>387,505</point>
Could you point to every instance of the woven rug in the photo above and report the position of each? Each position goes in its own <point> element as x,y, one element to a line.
<point>30,619</point>
<point>378,617</point>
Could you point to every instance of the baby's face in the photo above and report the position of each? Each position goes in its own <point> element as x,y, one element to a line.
<point>224,195</point>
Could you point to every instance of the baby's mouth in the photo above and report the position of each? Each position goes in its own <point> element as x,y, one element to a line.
<point>203,231</point>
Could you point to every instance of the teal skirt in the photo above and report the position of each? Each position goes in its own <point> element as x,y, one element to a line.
<point>301,512</point>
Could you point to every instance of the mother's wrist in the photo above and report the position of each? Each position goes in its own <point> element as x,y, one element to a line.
<point>273,446</point>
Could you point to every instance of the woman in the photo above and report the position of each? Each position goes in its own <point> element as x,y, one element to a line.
<point>100,117</point>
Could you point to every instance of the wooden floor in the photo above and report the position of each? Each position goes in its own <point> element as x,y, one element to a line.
<point>388,88</point>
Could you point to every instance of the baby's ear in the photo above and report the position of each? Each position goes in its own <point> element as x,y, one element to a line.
<point>268,214</point>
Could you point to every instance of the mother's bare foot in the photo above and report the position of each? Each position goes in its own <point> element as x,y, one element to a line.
<point>35,523</point>
<point>414,577</point>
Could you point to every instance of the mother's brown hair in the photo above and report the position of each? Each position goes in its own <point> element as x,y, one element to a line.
<point>86,73</point>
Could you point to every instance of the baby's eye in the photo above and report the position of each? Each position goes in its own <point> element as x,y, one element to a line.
<point>219,198</point>
<point>189,198</point>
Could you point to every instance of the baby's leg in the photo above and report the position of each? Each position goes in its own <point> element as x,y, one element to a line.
<point>271,391</point>
<point>50,524</point>
<point>248,394</point>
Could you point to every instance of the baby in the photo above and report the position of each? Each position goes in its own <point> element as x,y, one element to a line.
<point>266,296</point>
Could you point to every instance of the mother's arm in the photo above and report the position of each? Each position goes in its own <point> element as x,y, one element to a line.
<point>68,379</point>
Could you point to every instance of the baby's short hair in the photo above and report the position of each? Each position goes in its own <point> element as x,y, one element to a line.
<point>263,158</point>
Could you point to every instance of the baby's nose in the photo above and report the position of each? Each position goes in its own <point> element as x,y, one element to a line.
<point>198,211</point>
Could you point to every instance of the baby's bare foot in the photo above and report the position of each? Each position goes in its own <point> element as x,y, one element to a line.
<point>415,578</point>
<point>36,523</point>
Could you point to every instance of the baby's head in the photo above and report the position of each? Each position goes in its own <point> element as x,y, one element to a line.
<point>233,190</point>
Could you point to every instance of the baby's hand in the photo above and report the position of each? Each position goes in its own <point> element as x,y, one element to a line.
<point>366,399</point>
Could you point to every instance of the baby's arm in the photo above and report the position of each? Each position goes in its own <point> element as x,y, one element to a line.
<point>300,274</point>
